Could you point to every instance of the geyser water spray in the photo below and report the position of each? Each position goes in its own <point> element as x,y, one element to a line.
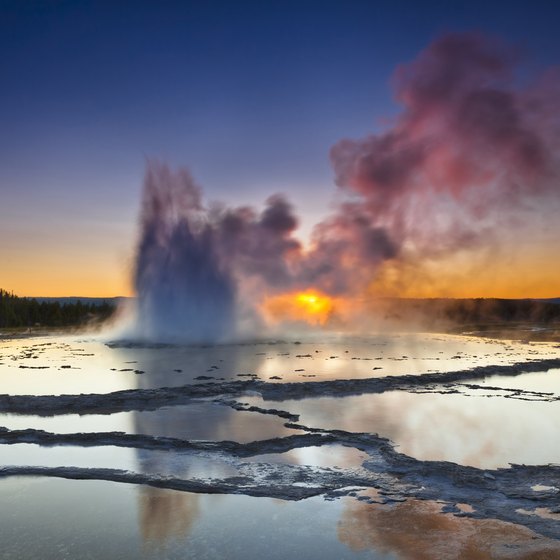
<point>184,293</point>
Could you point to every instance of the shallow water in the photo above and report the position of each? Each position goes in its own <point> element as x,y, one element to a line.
<point>142,522</point>
<point>61,365</point>
<point>477,430</point>
<point>196,421</point>
<point>73,365</point>
<point>53,519</point>
<point>484,423</point>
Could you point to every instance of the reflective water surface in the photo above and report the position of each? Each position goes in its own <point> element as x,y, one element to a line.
<point>485,429</point>
<point>54,519</point>
<point>72,365</point>
<point>485,423</point>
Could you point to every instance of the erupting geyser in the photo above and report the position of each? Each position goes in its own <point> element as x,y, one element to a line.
<point>182,291</point>
<point>467,154</point>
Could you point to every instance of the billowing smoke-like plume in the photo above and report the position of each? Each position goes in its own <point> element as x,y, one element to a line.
<point>466,139</point>
<point>467,146</point>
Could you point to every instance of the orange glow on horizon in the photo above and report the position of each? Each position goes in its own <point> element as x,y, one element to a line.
<point>78,258</point>
<point>58,274</point>
<point>84,268</point>
<point>521,274</point>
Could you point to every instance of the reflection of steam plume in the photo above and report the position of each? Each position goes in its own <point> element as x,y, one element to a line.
<point>468,149</point>
<point>417,530</point>
<point>165,514</point>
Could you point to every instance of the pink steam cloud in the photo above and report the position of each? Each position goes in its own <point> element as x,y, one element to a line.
<point>464,128</point>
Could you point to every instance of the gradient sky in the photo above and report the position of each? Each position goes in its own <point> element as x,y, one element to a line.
<point>249,95</point>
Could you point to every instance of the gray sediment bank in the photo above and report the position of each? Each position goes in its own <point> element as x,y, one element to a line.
<point>517,494</point>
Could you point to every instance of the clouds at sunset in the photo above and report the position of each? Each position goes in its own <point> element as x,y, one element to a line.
<point>470,157</point>
<point>470,152</point>
<point>466,141</point>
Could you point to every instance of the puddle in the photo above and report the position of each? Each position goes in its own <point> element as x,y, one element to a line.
<point>324,456</point>
<point>481,432</point>
<point>196,421</point>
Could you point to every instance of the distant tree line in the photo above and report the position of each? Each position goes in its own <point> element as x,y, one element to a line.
<point>502,310</point>
<point>476,310</point>
<point>28,312</point>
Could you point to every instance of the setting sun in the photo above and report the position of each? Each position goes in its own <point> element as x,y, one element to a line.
<point>310,306</point>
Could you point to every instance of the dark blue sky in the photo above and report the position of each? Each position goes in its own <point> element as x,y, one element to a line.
<point>249,95</point>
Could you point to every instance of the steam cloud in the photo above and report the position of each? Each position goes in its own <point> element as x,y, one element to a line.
<point>465,134</point>
<point>467,146</point>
